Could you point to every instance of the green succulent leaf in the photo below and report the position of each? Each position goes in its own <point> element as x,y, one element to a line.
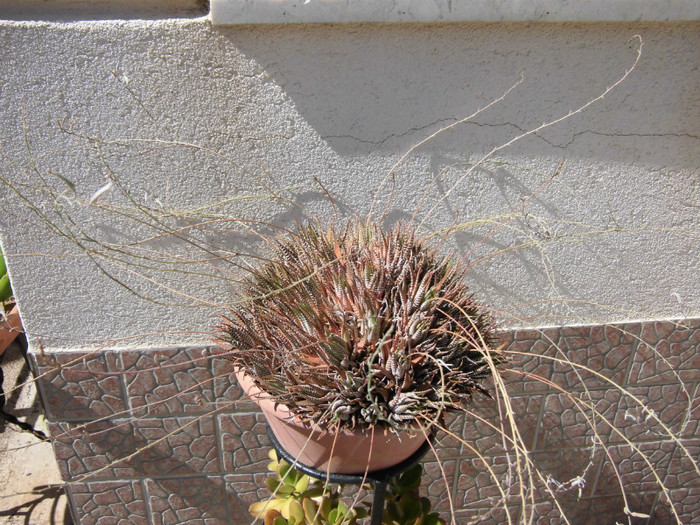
<point>326,509</point>
<point>285,489</point>
<point>272,484</point>
<point>313,492</point>
<point>334,516</point>
<point>432,519</point>
<point>410,480</point>
<point>5,289</point>
<point>273,465</point>
<point>291,478</point>
<point>286,504</point>
<point>302,484</point>
<point>296,512</point>
<point>392,512</point>
<point>311,511</point>
<point>411,508</point>
<point>283,470</point>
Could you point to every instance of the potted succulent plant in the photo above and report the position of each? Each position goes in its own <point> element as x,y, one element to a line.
<point>355,341</point>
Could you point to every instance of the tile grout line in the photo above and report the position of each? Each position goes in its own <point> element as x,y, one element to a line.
<point>146,498</point>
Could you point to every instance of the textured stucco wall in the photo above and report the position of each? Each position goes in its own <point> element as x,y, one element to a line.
<point>186,115</point>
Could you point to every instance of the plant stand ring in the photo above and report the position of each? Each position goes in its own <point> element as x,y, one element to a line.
<point>378,478</point>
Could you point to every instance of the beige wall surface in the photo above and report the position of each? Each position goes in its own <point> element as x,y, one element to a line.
<point>189,138</point>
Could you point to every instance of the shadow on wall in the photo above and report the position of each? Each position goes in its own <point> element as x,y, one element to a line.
<point>372,92</point>
<point>366,90</point>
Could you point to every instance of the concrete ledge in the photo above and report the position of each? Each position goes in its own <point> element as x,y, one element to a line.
<point>71,10</point>
<point>226,12</point>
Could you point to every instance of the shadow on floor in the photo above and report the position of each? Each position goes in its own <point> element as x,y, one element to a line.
<point>57,515</point>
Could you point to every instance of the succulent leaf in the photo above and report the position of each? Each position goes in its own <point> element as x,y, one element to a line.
<point>311,512</point>
<point>296,513</point>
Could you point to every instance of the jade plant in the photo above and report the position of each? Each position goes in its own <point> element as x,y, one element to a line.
<point>355,326</point>
<point>10,323</point>
<point>298,499</point>
<point>5,288</point>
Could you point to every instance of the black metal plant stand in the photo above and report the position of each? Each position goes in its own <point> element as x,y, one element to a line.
<point>377,478</point>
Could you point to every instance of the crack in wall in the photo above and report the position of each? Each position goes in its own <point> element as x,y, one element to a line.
<point>516,127</point>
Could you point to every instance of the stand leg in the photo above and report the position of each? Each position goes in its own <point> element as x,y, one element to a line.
<point>378,502</point>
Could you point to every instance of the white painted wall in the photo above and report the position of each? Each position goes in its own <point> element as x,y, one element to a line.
<point>197,120</point>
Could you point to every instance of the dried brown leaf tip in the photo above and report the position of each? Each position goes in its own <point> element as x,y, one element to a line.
<point>357,326</point>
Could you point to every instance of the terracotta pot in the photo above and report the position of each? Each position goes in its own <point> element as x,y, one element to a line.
<point>312,445</point>
<point>10,328</point>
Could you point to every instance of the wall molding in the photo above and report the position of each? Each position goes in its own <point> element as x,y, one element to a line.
<point>227,12</point>
<point>74,10</point>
